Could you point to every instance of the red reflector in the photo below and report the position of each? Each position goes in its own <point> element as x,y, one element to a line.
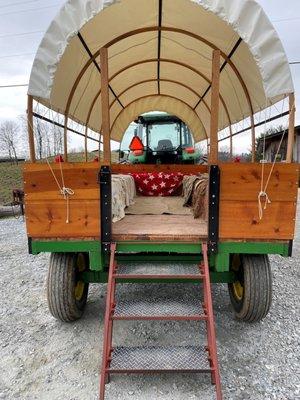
<point>190,150</point>
<point>59,159</point>
<point>136,144</point>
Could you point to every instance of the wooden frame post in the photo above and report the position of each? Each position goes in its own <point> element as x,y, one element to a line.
<point>231,143</point>
<point>291,136</point>
<point>66,139</point>
<point>253,137</point>
<point>99,147</point>
<point>85,144</point>
<point>30,128</point>
<point>215,94</point>
<point>105,105</point>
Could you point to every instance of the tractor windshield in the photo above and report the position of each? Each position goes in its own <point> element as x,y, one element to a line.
<point>164,136</point>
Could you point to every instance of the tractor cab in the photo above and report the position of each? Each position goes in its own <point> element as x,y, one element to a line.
<point>162,139</point>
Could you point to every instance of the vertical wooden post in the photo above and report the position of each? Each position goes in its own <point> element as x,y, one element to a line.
<point>214,121</point>
<point>291,136</point>
<point>30,128</point>
<point>85,145</point>
<point>231,143</point>
<point>105,105</point>
<point>99,148</point>
<point>66,139</point>
<point>253,138</point>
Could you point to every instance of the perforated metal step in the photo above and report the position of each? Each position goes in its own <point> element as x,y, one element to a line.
<point>151,302</point>
<point>159,309</point>
<point>159,359</point>
<point>158,270</point>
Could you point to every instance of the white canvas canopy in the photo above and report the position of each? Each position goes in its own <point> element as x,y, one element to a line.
<point>160,56</point>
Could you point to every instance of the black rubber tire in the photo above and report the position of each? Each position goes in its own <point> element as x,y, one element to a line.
<point>61,283</point>
<point>256,278</point>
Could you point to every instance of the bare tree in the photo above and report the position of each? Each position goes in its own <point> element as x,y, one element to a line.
<point>9,135</point>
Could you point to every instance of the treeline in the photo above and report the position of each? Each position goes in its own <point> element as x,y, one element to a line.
<point>14,144</point>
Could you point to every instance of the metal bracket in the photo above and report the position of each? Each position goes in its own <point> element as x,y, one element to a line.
<point>30,245</point>
<point>104,180</point>
<point>290,253</point>
<point>213,214</point>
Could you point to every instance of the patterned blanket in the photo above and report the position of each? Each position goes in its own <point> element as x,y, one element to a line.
<point>195,194</point>
<point>158,183</point>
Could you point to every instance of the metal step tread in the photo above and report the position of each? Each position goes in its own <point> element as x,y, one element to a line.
<point>160,307</point>
<point>179,358</point>
<point>157,269</point>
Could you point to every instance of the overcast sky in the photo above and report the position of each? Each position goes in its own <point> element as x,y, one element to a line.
<point>23,23</point>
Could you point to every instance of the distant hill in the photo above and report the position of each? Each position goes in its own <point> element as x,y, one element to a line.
<point>10,178</point>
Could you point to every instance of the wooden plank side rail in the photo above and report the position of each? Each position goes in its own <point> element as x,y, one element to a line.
<point>45,207</point>
<point>240,185</point>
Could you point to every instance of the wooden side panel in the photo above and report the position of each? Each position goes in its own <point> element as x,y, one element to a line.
<point>47,210</point>
<point>239,216</point>
<point>46,219</point>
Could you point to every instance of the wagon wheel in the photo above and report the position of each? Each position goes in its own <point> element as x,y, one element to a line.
<point>251,292</point>
<point>66,293</point>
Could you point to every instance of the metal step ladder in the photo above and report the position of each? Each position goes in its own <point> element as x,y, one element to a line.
<point>154,359</point>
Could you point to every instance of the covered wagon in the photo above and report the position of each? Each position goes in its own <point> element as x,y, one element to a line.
<point>210,63</point>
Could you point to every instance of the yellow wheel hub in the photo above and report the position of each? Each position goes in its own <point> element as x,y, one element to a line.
<point>79,288</point>
<point>238,290</point>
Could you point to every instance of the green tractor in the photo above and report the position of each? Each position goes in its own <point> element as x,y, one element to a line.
<point>162,139</point>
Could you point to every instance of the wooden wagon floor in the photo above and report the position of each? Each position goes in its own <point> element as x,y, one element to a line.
<point>162,228</point>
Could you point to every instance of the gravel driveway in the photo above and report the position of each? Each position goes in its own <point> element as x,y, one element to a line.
<point>42,358</point>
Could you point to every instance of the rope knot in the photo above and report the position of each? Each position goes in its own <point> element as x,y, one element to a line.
<point>63,190</point>
<point>66,192</point>
<point>263,195</point>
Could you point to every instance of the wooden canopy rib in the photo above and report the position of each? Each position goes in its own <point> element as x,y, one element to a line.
<point>195,36</point>
<point>136,84</point>
<point>167,29</point>
<point>166,60</point>
<point>161,80</point>
<point>153,95</point>
<point>83,42</point>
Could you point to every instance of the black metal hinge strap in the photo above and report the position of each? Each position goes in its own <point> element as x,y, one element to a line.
<point>213,215</point>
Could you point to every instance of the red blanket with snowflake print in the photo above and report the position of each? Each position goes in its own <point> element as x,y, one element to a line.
<point>157,183</point>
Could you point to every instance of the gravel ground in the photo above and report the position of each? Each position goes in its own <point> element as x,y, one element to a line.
<point>42,358</point>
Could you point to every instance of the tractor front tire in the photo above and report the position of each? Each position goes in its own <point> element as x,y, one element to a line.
<point>66,293</point>
<point>251,293</point>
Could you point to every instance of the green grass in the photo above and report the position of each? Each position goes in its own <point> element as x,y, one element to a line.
<point>10,178</point>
